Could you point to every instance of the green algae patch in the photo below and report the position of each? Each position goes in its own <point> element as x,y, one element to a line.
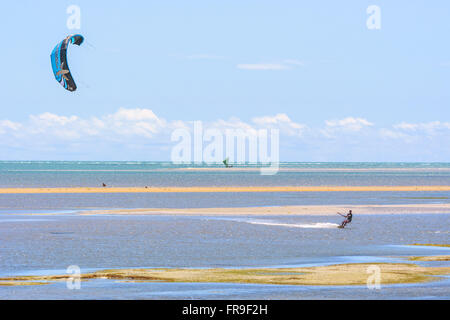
<point>342,274</point>
<point>22,283</point>
<point>430,258</point>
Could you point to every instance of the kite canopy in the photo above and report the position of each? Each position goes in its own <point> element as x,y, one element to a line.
<point>59,61</point>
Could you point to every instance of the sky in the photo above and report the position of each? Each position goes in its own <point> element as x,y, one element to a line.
<point>335,89</point>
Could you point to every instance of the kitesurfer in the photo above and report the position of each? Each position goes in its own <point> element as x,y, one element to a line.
<point>348,218</point>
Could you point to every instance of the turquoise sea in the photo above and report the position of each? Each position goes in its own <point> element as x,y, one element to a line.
<point>120,174</point>
<point>23,174</point>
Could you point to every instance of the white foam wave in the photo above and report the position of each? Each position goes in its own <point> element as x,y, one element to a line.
<point>318,225</point>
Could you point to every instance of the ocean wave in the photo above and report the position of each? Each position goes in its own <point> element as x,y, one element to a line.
<point>317,225</point>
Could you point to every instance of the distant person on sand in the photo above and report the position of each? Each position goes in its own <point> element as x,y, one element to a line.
<point>348,218</point>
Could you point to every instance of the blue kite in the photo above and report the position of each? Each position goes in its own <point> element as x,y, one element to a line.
<point>59,61</point>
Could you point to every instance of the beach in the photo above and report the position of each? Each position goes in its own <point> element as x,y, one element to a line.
<point>225,150</point>
<point>158,231</point>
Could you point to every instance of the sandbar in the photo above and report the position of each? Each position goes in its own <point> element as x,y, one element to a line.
<point>342,274</point>
<point>310,210</point>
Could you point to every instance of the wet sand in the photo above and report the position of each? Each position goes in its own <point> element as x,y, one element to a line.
<point>318,210</point>
<point>342,274</point>
<point>220,189</point>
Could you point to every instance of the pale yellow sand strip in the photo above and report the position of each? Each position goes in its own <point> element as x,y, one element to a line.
<point>222,189</point>
<point>322,210</point>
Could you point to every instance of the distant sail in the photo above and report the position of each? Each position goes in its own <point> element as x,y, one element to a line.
<point>226,162</point>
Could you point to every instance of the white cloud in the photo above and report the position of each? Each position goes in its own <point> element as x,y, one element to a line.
<point>425,126</point>
<point>282,122</point>
<point>424,129</point>
<point>117,126</point>
<point>262,66</point>
<point>6,125</point>
<point>126,124</point>
<point>137,122</point>
<point>406,126</point>
<point>424,135</point>
<point>123,133</point>
<point>232,123</point>
<point>349,123</point>
<point>205,56</point>
<point>283,65</point>
<point>50,119</point>
<point>134,115</point>
<point>393,134</point>
<point>126,129</point>
<point>199,56</point>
